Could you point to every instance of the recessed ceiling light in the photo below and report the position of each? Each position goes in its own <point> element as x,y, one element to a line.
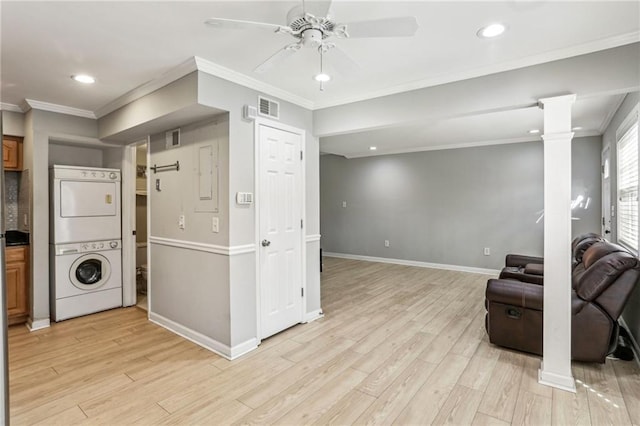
<point>83,78</point>
<point>577,128</point>
<point>372,148</point>
<point>534,131</point>
<point>493,30</point>
<point>322,77</point>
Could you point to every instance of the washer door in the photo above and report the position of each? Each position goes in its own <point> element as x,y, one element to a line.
<point>90,272</point>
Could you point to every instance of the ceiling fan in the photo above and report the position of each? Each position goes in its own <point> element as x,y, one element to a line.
<point>317,31</point>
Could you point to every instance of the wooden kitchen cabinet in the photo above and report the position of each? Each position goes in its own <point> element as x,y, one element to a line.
<point>12,152</point>
<point>17,281</point>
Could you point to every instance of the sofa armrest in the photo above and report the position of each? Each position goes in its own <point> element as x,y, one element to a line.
<point>522,260</point>
<point>515,293</point>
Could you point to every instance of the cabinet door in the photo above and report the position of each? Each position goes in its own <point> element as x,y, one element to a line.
<point>11,154</point>
<point>16,289</point>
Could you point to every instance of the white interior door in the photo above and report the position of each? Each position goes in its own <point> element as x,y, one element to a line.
<point>280,216</point>
<point>606,195</point>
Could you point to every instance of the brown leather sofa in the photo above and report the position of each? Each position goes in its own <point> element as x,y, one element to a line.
<point>602,282</point>
<point>531,268</point>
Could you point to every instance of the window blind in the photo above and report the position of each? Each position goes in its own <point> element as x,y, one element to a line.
<point>628,187</point>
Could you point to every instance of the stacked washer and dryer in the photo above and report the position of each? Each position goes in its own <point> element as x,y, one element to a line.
<point>85,241</point>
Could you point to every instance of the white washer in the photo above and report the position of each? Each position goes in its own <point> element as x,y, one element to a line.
<point>85,278</point>
<point>85,204</point>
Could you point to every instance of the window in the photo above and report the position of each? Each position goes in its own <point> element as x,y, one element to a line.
<point>627,149</point>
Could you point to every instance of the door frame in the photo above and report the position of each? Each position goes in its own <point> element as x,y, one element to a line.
<point>129,247</point>
<point>606,203</point>
<point>303,247</point>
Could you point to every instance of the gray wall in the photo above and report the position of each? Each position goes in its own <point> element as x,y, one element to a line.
<point>631,314</point>
<point>445,206</point>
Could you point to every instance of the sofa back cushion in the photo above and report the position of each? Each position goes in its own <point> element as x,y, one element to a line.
<point>602,264</point>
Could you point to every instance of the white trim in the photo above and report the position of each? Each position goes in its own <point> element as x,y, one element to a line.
<point>312,238</point>
<point>555,55</point>
<point>581,134</point>
<point>129,247</point>
<point>558,136</point>
<point>10,107</point>
<point>235,77</point>
<point>442,147</point>
<point>612,112</point>
<point>312,316</point>
<point>38,324</point>
<point>209,248</point>
<point>62,109</point>
<point>260,121</point>
<point>200,339</point>
<point>413,263</point>
<point>628,122</point>
<point>634,343</point>
<point>566,383</point>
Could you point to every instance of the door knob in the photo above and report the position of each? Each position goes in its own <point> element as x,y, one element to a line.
<point>266,243</point>
<point>606,231</point>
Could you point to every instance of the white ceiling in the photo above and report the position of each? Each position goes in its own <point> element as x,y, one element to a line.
<point>126,44</point>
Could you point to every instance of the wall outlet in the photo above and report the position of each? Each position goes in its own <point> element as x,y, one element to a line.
<point>344,204</point>
<point>487,251</point>
<point>181,221</point>
<point>215,224</point>
<point>386,243</point>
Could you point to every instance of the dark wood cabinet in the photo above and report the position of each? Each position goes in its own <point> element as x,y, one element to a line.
<point>17,281</point>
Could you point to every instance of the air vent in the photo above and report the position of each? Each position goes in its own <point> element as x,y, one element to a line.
<point>172,138</point>
<point>268,108</point>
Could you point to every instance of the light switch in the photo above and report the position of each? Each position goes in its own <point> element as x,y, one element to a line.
<point>181,221</point>
<point>215,224</point>
<point>344,204</point>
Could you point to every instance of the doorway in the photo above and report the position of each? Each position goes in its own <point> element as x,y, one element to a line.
<point>141,227</point>
<point>280,211</point>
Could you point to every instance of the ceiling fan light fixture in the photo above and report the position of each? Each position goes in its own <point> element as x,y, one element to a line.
<point>83,78</point>
<point>492,30</point>
<point>322,77</point>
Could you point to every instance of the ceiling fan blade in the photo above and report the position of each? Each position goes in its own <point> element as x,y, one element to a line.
<point>235,24</point>
<point>405,26</point>
<point>318,8</point>
<point>341,61</point>
<point>277,57</point>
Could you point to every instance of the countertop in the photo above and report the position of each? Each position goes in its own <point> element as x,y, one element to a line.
<point>16,238</point>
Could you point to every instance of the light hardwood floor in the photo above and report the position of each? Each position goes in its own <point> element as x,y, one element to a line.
<point>398,345</point>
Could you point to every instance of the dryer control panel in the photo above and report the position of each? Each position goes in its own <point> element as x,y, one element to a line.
<point>85,247</point>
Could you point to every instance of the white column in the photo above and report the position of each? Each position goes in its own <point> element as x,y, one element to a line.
<point>555,369</point>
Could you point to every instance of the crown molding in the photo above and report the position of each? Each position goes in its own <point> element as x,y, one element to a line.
<point>252,83</point>
<point>62,109</point>
<point>443,147</point>
<point>175,73</point>
<point>607,119</point>
<point>10,107</point>
<point>555,55</point>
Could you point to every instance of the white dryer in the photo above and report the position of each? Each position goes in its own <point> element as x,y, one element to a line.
<point>85,278</point>
<point>85,204</point>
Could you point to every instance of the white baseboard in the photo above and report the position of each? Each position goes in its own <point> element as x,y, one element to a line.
<point>200,339</point>
<point>312,316</point>
<point>634,344</point>
<point>413,263</point>
<point>38,324</point>
<point>566,383</point>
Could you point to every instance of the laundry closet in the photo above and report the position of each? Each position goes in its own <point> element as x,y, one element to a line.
<point>85,238</point>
